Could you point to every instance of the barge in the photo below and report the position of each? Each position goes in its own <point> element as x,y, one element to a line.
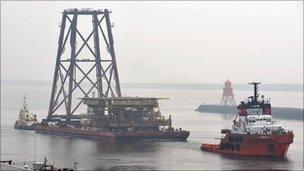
<point>108,136</point>
<point>127,119</point>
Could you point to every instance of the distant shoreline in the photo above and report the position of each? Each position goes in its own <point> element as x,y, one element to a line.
<point>191,86</point>
<point>277,112</point>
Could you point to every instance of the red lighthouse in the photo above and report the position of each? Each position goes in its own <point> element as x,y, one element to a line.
<point>228,96</point>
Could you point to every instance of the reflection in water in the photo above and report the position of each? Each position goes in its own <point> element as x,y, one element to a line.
<point>126,168</point>
<point>272,163</point>
<point>125,155</point>
<point>97,155</point>
<point>125,147</point>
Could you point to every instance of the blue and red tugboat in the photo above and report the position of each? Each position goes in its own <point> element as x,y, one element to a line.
<point>254,132</point>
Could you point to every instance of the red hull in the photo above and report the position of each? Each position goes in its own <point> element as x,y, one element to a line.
<point>252,145</point>
<point>114,136</point>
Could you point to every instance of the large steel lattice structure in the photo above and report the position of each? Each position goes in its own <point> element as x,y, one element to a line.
<point>85,61</point>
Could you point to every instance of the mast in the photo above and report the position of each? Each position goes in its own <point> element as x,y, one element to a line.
<point>24,102</point>
<point>255,86</point>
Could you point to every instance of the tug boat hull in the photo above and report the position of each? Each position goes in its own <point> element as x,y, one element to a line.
<point>114,136</point>
<point>24,126</point>
<point>252,145</point>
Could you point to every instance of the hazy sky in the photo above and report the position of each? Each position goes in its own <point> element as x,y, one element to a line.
<point>167,42</point>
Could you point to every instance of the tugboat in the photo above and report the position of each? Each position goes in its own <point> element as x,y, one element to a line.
<point>254,132</point>
<point>26,120</point>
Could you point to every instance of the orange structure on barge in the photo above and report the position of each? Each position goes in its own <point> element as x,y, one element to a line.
<point>253,133</point>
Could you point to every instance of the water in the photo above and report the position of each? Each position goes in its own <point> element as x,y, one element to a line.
<point>21,145</point>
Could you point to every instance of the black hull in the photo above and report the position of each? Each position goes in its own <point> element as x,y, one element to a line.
<point>108,136</point>
<point>24,127</point>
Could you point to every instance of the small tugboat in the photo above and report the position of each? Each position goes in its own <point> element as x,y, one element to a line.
<point>254,132</point>
<point>26,120</point>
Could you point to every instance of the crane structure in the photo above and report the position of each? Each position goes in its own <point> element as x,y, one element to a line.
<point>90,68</point>
<point>85,62</point>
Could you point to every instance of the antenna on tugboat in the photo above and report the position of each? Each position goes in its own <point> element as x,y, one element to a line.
<point>24,102</point>
<point>255,85</point>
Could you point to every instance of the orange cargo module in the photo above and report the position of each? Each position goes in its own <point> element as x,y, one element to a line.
<point>254,132</point>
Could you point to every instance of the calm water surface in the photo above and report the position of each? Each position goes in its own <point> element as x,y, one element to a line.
<point>21,145</point>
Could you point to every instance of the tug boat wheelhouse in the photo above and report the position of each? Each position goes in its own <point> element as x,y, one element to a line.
<point>254,132</point>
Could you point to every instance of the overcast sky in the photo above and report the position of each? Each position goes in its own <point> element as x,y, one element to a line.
<point>167,42</point>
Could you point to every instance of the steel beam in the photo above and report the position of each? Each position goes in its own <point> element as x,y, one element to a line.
<point>112,52</point>
<point>57,65</point>
<point>65,76</point>
<point>97,54</point>
<point>72,64</point>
